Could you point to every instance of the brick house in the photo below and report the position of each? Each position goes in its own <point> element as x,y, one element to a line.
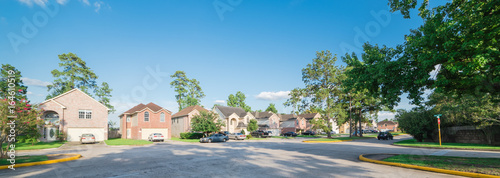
<point>181,121</point>
<point>292,123</point>
<point>142,120</point>
<point>236,119</point>
<point>75,113</point>
<point>309,117</point>
<point>388,125</point>
<point>268,121</point>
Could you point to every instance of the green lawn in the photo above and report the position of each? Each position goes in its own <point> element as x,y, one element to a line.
<point>253,138</point>
<point>413,142</point>
<point>25,159</point>
<point>185,140</point>
<point>475,165</point>
<point>119,141</point>
<point>308,136</point>
<point>36,146</point>
<point>344,138</point>
<point>283,137</point>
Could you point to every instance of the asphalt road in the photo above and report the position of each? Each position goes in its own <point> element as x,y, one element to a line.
<point>269,158</point>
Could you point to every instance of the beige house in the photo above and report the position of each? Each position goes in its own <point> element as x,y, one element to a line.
<point>235,119</point>
<point>75,113</point>
<point>181,121</point>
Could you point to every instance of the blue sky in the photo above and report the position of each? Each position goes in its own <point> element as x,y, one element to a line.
<point>258,47</point>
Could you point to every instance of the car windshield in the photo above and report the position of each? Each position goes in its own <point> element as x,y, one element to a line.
<point>157,134</point>
<point>87,135</point>
<point>239,134</point>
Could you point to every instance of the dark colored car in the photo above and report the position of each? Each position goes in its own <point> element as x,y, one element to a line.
<point>309,133</point>
<point>260,134</point>
<point>290,134</point>
<point>214,138</point>
<point>384,136</point>
<point>226,133</point>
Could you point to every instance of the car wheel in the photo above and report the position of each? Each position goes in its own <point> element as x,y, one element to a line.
<point>209,140</point>
<point>378,138</point>
<point>223,140</point>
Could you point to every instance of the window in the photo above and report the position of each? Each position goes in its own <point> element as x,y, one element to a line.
<point>162,117</point>
<point>146,116</point>
<point>128,118</point>
<point>84,114</point>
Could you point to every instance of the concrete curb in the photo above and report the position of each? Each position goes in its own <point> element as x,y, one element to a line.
<point>73,157</point>
<point>460,173</point>
<point>448,148</point>
<point>307,141</point>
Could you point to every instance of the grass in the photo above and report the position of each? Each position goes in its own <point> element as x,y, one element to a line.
<point>119,141</point>
<point>489,166</point>
<point>283,137</point>
<point>253,138</point>
<point>185,140</point>
<point>413,142</point>
<point>25,159</point>
<point>345,138</point>
<point>308,136</point>
<point>36,146</point>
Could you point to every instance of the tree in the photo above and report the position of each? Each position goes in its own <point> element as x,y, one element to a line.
<point>206,122</point>
<point>189,92</point>
<point>252,125</point>
<point>420,123</point>
<point>238,100</point>
<point>272,108</point>
<point>76,74</point>
<point>15,110</point>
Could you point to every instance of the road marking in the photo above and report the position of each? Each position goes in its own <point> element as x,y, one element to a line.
<point>440,153</point>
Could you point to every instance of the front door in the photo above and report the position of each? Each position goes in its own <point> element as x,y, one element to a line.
<point>50,133</point>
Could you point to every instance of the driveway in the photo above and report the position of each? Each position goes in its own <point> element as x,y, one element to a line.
<point>265,158</point>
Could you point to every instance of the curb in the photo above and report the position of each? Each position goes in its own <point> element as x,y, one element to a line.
<point>448,148</point>
<point>460,173</point>
<point>74,157</point>
<point>307,141</point>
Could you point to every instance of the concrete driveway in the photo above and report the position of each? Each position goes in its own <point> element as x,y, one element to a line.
<point>269,158</point>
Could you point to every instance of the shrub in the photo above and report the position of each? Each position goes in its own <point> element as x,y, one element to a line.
<point>249,136</point>
<point>61,135</point>
<point>420,123</point>
<point>243,132</point>
<point>190,135</point>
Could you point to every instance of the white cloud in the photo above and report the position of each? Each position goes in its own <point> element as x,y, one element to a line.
<point>97,6</point>
<point>30,2</point>
<point>29,93</point>
<point>86,2</point>
<point>273,95</point>
<point>35,82</point>
<point>62,2</point>
<point>219,101</point>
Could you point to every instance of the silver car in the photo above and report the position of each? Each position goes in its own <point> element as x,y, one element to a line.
<point>214,138</point>
<point>237,136</point>
<point>156,137</point>
<point>87,138</point>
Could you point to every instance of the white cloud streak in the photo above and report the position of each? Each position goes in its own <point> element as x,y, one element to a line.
<point>35,82</point>
<point>272,96</point>
<point>219,101</point>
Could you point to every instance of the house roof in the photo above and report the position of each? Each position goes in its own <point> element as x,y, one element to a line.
<point>308,116</point>
<point>189,109</point>
<point>153,107</point>
<point>75,89</point>
<point>259,115</point>
<point>226,110</point>
<point>286,117</point>
<point>387,122</point>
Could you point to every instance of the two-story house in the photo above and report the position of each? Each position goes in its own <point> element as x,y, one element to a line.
<point>268,121</point>
<point>292,123</point>
<point>142,120</point>
<point>181,121</point>
<point>236,119</point>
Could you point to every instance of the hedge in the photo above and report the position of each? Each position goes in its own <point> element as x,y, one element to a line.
<point>189,135</point>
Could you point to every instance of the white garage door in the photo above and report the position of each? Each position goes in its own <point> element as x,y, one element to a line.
<point>147,132</point>
<point>75,133</point>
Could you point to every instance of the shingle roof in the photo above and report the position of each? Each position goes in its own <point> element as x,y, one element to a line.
<point>187,110</point>
<point>308,116</point>
<point>140,107</point>
<point>226,110</point>
<point>262,114</point>
<point>286,117</point>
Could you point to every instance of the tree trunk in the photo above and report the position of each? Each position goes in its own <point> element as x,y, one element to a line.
<point>360,128</point>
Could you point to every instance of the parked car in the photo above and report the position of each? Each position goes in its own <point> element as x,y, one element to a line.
<point>270,133</point>
<point>259,134</point>
<point>384,136</point>
<point>156,137</point>
<point>237,136</point>
<point>309,133</point>
<point>226,133</point>
<point>290,134</point>
<point>87,138</point>
<point>214,138</point>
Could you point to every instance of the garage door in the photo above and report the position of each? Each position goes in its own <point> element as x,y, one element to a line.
<point>75,133</point>
<point>147,132</point>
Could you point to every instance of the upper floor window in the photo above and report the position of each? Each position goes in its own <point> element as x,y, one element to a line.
<point>146,116</point>
<point>162,117</point>
<point>128,118</point>
<point>84,114</point>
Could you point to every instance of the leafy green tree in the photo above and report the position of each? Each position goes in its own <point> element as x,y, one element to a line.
<point>76,74</point>
<point>252,125</point>
<point>420,123</point>
<point>272,108</point>
<point>238,100</point>
<point>189,92</point>
<point>206,122</point>
<point>11,76</point>
<point>296,100</point>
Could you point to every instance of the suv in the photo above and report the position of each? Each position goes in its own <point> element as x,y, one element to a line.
<point>384,136</point>
<point>309,133</point>
<point>260,134</point>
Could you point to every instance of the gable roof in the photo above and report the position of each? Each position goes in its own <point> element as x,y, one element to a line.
<point>187,110</point>
<point>73,90</point>
<point>308,116</point>
<point>226,110</point>
<point>287,117</point>
<point>140,107</point>
<point>259,115</point>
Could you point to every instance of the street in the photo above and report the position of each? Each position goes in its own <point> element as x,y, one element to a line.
<point>263,158</point>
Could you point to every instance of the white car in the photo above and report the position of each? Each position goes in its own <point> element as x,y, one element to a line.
<point>237,136</point>
<point>156,137</point>
<point>87,138</point>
